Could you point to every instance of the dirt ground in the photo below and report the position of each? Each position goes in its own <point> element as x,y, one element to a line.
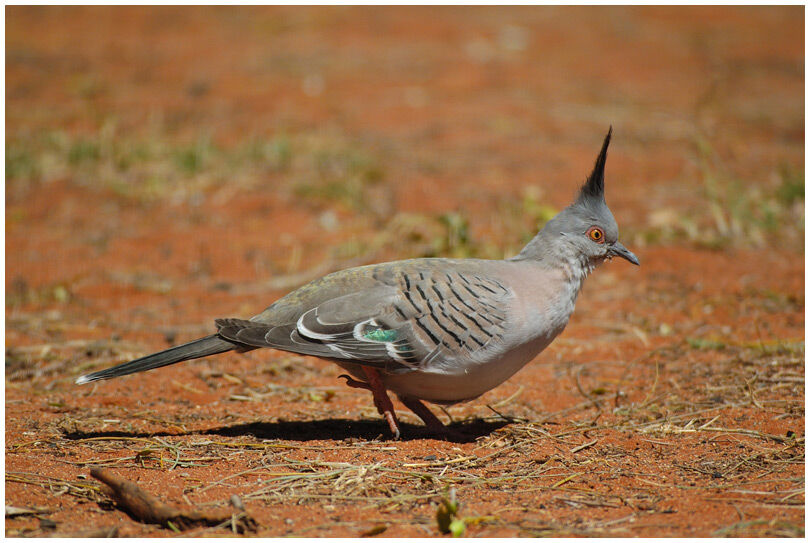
<point>167,166</point>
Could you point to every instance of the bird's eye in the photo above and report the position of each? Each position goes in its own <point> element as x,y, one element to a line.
<point>596,234</point>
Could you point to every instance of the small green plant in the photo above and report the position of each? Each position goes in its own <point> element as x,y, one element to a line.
<point>20,162</point>
<point>193,159</point>
<point>703,344</point>
<point>274,154</point>
<point>791,189</point>
<point>336,171</point>
<point>534,208</point>
<point>456,239</point>
<point>446,235</point>
<point>447,517</point>
<point>83,151</point>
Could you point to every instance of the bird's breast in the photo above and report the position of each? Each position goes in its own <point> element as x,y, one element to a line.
<point>466,380</point>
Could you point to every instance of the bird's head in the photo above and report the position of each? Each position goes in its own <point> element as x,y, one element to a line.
<point>586,228</point>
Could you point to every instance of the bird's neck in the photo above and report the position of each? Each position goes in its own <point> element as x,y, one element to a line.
<point>558,255</point>
<point>576,268</point>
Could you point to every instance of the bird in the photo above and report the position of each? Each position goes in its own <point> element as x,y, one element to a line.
<point>434,330</point>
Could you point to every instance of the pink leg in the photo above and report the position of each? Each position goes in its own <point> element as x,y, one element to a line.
<point>431,421</point>
<point>381,400</point>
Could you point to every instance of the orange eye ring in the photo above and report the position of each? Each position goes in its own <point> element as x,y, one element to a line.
<point>596,234</point>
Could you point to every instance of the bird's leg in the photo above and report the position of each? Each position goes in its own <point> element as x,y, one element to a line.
<point>381,400</point>
<point>423,412</point>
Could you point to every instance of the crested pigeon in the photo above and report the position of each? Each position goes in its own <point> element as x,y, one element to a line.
<point>429,329</point>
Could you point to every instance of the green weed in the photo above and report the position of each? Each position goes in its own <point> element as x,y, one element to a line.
<point>332,172</point>
<point>735,212</point>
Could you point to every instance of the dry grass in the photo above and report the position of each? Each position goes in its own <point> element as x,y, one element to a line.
<point>571,458</point>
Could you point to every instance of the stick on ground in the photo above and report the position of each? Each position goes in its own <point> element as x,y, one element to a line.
<point>147,508</point>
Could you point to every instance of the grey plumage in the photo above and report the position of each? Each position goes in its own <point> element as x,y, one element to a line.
<point>442,330</point>
<point>199,348</point>
<point>397,316</point>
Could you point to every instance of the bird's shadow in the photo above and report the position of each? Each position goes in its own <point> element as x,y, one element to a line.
<point>323,430</point>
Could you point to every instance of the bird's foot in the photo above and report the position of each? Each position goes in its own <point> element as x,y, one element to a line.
<point>392,422</point>
<point>354,383</point>
<point>381,400</point>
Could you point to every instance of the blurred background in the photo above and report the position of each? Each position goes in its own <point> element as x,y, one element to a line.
<point>386,111</point>
<point>155,151</point>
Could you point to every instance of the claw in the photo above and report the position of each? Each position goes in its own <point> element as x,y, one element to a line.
<point>354,383</point>
<point>392,423</point>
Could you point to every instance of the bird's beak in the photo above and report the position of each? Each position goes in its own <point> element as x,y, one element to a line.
<point>617,249</point>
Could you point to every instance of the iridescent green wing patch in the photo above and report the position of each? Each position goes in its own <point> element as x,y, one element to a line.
<point>381,335</point>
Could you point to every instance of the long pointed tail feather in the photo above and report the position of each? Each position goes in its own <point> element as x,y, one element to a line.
<point>195,349</point>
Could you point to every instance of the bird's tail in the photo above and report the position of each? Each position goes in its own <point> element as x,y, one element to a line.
<point>198,348</point>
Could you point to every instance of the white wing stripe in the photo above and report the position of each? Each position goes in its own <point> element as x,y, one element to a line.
<point>304,331</point>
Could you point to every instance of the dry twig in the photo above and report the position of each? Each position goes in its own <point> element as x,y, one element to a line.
<point>147,508</point>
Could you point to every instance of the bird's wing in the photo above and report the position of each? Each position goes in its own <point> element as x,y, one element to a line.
<point>410,320</point>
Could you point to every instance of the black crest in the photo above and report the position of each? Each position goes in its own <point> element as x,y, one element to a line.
<point>594,187</point>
